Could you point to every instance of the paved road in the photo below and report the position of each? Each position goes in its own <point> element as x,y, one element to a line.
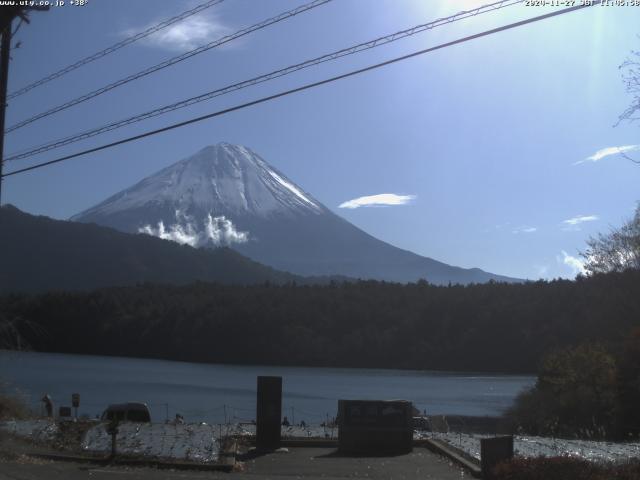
<point>305,463</point>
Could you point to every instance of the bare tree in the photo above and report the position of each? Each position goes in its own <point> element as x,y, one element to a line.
<point>631,76</point>
<point>615,251</point>
<point>619,249</point>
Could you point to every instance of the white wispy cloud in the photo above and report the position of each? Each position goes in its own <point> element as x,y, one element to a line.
<point>187,34</point>
<point>607,152</point>
<point>573,224</point>
<point>580,219</point>
<point>575,264</point>
<point>380,200</point>
<point>524,229</point>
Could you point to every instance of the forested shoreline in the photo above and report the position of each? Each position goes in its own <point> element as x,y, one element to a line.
<point>491,327</point>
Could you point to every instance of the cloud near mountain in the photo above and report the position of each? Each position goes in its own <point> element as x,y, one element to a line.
<point>379,200</point>
<point>228,195</point>
<point>216,231</point>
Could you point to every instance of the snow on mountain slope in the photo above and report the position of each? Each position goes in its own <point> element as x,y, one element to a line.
<point>227,195</point>
<point>224,177</point>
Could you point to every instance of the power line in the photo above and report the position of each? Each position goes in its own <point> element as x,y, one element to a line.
<point>261,79</point>
<point>306,87</point>
<point>170,62</point>
<point>114,47</point>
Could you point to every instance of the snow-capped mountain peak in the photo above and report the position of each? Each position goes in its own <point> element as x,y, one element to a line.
<point>219,179</point>
<point>228,195</point>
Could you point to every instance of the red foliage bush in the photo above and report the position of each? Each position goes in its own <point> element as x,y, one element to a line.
<point>565,468</point>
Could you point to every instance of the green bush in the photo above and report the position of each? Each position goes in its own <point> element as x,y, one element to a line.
<point>574,396</point>
<point>628,388</point>
<point>583,392</point>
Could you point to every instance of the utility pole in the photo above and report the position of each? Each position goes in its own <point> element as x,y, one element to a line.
<point>5,49</point>
<point>7,14</point>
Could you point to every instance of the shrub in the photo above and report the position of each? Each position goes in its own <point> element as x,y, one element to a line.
<point>564,468</point>
<point>575,395</point>
<point>12,408</point>
<point>628,383</point>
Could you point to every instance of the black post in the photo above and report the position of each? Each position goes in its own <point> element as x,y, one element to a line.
<point>75,401</point>
<point>113,444</point>
<point>493,451</point>
<point>112,429</point>
<point>5,51</point>
<point>269,413</point>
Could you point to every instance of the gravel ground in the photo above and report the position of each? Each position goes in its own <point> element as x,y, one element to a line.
<point>41,430</point>
<point>192,442</point>
<point>200,442</point>
<point>527,446</point>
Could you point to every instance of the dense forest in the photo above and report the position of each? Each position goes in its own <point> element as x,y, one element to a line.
<point>490,327</point>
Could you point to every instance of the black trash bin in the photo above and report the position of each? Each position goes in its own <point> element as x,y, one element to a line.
<point>375,427</point>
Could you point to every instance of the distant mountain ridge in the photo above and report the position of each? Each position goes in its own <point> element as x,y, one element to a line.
<point>41,254</point>
<point>228,195</point>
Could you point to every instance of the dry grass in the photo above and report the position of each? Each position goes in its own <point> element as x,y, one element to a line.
<point>13,408</point>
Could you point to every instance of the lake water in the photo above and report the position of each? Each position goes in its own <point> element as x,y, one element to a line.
<point>213,393</point>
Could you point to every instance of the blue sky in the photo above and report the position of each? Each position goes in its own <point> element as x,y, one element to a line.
<point>496,153</point>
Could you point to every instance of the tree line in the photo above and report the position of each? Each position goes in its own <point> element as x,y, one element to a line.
<point>491,327</point>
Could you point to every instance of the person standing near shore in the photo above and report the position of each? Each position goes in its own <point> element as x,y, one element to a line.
<point>48,405</point>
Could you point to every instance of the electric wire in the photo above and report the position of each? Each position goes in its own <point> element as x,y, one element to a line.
<point>306,87</point>
<point>16,30</point>
<point>117,46</point>
<point>169,62</point>
<point>261,79</point>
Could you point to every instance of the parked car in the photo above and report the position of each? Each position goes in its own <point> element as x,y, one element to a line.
<point>422,423</point>
<point>127,412</point>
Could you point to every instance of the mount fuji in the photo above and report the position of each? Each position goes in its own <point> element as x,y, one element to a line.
<point>227,195</point>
